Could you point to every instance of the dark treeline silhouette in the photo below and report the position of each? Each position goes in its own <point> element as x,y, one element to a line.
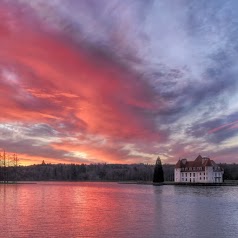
<point>91,172</point>
<point>230,171</point>
<point>97,172</point>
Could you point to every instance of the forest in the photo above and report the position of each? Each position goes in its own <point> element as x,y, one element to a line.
<point>94,172</point>
<point>82,172</point>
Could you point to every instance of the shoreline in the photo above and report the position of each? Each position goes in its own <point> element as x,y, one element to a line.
<point>226,183</point>
<point>235,183</point>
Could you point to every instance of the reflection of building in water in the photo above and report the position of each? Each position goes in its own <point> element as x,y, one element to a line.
<point>201,170</point>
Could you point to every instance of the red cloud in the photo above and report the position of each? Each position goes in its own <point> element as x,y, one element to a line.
<point>73,89</point>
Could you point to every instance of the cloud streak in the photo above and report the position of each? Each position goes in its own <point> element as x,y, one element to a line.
<point>118,82</point>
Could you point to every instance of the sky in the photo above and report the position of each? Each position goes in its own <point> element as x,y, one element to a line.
<point>111,81</point>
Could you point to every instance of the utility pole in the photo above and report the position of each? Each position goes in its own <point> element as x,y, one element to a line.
<point>4,167</point>
<point>15,164</point>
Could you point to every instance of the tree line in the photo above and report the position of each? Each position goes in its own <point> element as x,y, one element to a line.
<point>83,172</point>
<point>230,171</point>
<point>11,171</point>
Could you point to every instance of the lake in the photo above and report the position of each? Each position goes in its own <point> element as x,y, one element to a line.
<point>95,209</point>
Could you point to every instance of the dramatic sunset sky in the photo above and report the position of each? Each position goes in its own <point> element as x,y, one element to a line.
<point>113,81</point>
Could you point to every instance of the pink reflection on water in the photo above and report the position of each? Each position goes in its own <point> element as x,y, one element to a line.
<point>69,210</point>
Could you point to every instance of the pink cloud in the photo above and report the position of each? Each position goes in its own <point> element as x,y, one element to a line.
<point>225,126</point>
<point>66,84</point>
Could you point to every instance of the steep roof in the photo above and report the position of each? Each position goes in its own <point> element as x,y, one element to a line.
<point>198,159</point>
<point>177,165</point>
<point>199,162</point>
<point>208,162</point>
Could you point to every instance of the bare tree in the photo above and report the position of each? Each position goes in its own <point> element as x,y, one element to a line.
<point>15,166</point>
<point>8,164</point>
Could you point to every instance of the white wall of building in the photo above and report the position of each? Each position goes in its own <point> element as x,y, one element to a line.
<point>177,175</point>
<point>207,176</point>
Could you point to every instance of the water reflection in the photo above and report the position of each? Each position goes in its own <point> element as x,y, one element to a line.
<point>116,210</point>
<point>198,211</point>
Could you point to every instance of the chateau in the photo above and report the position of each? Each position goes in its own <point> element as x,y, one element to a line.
<point>201,170</point>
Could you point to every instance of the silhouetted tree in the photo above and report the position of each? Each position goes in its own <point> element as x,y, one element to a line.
<point>15,166</point>
<point>158,172</point>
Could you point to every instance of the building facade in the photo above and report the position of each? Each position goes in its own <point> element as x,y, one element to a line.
<point>201,170</point>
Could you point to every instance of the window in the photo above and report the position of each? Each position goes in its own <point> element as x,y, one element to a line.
<point>193,174</point>
<point>204,178</point>
<point>204,173</point>
<point>200,173</point>
<point>186,175</point>
<point>190,174</point>
<point>200,178</point>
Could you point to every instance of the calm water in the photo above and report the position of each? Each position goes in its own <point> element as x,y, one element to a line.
<point>117,210</point>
